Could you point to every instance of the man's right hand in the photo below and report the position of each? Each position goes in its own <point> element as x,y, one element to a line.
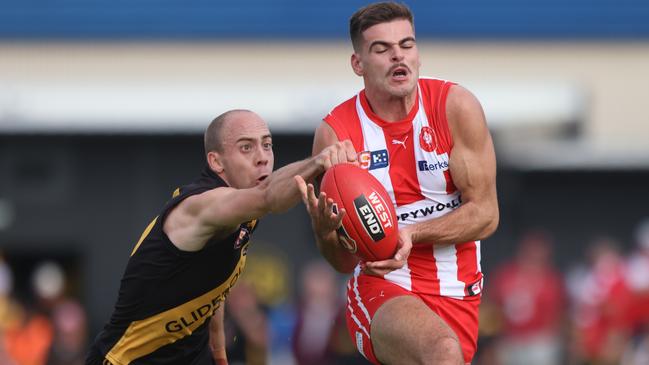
<point>381,268</point>
<point>323,217</point>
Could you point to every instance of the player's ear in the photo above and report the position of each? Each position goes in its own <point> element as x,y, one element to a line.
<point>357,65</point>
<point>215,161</point>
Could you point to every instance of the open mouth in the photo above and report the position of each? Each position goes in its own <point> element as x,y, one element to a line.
<point>399,73</point>
<point>262,178</point>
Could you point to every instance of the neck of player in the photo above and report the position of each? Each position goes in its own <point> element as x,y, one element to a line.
<point>391,108</point>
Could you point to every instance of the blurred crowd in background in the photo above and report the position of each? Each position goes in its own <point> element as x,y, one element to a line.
<point>596,311</point>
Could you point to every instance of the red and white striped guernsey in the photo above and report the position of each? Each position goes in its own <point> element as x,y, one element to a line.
<point>410,158</point>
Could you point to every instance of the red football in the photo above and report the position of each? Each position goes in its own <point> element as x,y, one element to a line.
<point>369,228</point>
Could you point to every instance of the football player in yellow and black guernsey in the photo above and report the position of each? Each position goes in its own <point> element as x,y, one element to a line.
<point>170,304</point>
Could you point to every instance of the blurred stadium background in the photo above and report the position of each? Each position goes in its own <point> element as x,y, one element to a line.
<point>102,109</point>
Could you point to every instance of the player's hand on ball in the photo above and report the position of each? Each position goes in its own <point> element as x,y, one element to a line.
<point>380,268</point>
<point>324,218</point>
<point>339,152</point>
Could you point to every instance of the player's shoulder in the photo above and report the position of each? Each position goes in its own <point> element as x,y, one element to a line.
<point>460,100</point>
<point>434,84</point>
<point>434,92</point>
<point>465,115</point>
<point>336,122</point>
<point>343,109</point>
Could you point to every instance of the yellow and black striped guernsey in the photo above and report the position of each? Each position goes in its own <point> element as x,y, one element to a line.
<point>167,295</point>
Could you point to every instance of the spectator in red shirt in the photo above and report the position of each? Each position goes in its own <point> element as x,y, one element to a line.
<point>530,294</point>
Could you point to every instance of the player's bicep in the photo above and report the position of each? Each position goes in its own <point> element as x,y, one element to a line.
<point>473,160</point>
<point>324,136</point>
<point>228,207</point>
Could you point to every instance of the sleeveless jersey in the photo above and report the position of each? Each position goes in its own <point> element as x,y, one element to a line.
<point>411,159</point>
<point>167,296</point>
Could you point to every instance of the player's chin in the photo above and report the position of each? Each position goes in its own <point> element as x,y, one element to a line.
<point>401,89</point>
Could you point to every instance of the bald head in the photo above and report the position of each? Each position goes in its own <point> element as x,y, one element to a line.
<point>213,138</point>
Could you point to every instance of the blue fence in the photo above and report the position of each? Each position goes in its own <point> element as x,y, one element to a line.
<point>294,19</point>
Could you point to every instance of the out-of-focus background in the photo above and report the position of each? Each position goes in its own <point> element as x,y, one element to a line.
<point>102,110</point>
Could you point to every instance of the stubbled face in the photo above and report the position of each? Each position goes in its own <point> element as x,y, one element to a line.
<point>247,157</point>
<point>388,59</point>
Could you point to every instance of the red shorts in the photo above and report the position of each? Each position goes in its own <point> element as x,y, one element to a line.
<point>365,296</point>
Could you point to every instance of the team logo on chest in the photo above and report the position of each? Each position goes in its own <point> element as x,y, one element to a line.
<point>243,238</point>
<point>427,139</point>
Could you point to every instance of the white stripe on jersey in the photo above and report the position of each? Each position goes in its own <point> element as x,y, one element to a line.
<point>446,260</point>
<point>401,277</point>
<point>358,322</point>
<point>374,140</point>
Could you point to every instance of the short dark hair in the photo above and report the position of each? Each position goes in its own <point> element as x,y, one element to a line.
<point>212,139</point>
<point>374,14</point>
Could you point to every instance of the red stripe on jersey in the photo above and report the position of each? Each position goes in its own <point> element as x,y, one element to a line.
<point>434,93</point>
<point>450,187</point>
<point>346,124</point>
<point>403,168</point>
<point>422,261</point>
<point>467,265</point>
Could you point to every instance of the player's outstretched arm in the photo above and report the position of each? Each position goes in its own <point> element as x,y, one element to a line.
<point>473,168</point>
<point>220,211</point>
<point>283,194</point>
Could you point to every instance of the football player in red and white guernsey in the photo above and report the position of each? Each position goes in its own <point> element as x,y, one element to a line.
<point>427,141</point>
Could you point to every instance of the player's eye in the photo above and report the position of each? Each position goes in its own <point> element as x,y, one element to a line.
<point>408,44</point>
<point>268,145</point>
<point>246,147</point>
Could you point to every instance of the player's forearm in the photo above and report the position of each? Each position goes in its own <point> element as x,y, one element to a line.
<point>337,256</point>
<point>282,192</point>
<point>470,222</point>
<point>217,337</point>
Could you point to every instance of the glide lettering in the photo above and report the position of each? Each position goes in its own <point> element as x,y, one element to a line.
<point>199,314</point>
<point>195,315</point>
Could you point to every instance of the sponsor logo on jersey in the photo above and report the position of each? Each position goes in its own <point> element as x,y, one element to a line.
<point>425,211</point>
<point>344,237</point>
<point>427,139</point>
<point>199,314</point>
<point>371,160</point>
<point>402,143</point>
<point>424,165</point>
<point>373,214</point>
